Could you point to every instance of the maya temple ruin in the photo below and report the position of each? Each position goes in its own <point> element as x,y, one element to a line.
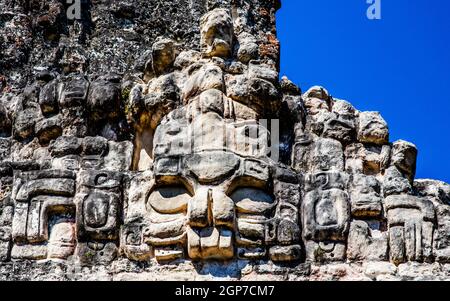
<point>156,140</point>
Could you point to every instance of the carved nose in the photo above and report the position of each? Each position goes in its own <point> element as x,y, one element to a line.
<point>200,209</point>
<point>210,208</point>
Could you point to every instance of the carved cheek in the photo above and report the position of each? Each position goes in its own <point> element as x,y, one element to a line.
<point>252,201</point>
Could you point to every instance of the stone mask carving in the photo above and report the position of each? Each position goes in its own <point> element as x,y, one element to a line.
<point>169,158</point>
<point>210,193</point>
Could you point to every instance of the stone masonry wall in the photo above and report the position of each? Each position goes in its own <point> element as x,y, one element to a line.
<point>154,140</point>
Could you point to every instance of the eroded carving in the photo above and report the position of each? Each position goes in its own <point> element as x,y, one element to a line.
<point>200,153</point>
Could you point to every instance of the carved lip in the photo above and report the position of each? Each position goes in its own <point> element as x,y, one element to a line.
<point>210,243</point>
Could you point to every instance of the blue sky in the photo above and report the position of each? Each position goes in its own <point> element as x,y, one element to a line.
<point>399,65</point>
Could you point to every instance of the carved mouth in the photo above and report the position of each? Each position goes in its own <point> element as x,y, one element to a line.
<point>210,243</point>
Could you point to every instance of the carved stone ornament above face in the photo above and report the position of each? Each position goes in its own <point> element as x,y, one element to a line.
<point>216,30</point>
<point>184,146</point>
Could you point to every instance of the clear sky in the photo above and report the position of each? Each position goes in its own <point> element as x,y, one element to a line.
<point>399,65</point>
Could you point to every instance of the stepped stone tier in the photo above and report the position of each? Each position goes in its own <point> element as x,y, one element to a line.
<point>154,140</point>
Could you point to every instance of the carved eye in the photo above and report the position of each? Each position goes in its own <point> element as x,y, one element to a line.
<point>169,200</point>
<point>252,201</point>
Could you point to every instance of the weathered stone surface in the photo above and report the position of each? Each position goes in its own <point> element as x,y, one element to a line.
<point>48,129</point>
<point>150,142</point>
<point>319,155</point>
<point>372,128</point>
<point>5,123</point>
<point>216,31</point>
<point>365,243</point>
<point>365,196</point>
<point>65,145</point>
<point>411,226</point>
<point>375,270</point>
<point>404,157</point>
<point>25,121</point>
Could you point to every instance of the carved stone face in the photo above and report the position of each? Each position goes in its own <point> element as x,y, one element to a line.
<point>207,197</point>
<point>216,29</point>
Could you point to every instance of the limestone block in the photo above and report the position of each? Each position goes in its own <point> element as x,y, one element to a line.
<point>6,215</point>
<point>419,272</point>
<point>30,252</point>
<point>248,48</point>
<point>365,196</point>
<point>340,127</point>
<point>199,208</point>
<point>256,93</point>
<point>404,157</point>
<point>161,97</point>
<point>367,159</point>
<point>216,32</point>
<point>98,202</point>
<point>5,243</point>
<point>169,200</point>
<point>132,241</point>
<point>25,121</point>
<point>252,201</point>
<point>168,253</point>
<point>261,71</point>
<point>48,129</point>
<point>61,243</point>
<point>69,162</point>
<point>376,269</point>
<point>316,100</point>
<point>164,233</point>
<point>326,215</point>
<point>285,253</point>
<point>187,58</point>
<point>250,232</point>
<point>74,92</point>
<point>411,228</point>
<point>288,231</point>
<point>251,253</point>
<point>223,210</point>
<point>5,148</point>
<point>209,167</point>
<point>163,55</point>
<point>372,128</point>
<point>212,100</point>
<point>50,186</point>
<point>394,182</point>
<point>48,98</point>
<point>442,234</point>
<point>366,244</point>
<point>119,157</point>
<point>5,122</point>
<point>323,252</point>
<point>103,100</point>
<point>92,146</point>
<point>96,253</point>
<point>317,92</point>
<point>65,145</point>
<point>208,76</point>
<point>438,190</point>
<point>321,154</point>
